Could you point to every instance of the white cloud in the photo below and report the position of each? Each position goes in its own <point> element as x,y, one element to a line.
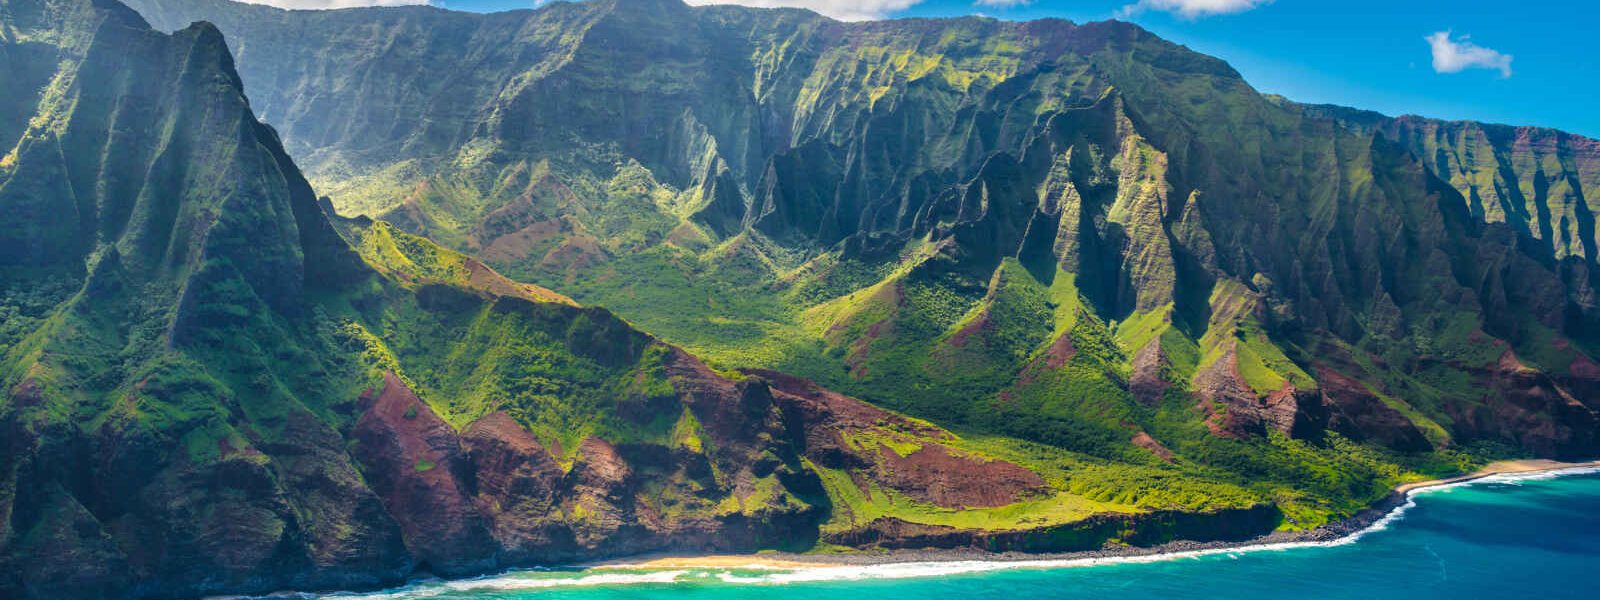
<point>333,4</point>
<point>1455,56</point>
<point>1191,9</point>
<point>1002,3</point>
<point>844,10</point>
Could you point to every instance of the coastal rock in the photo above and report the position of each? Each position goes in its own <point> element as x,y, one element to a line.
<point>1527,405</point>
<point>937,475</point>
<point>980,233</point>
<point>1235,410</point>
<point>519,489</point>
<point>1358,414</point>
<point>1093,533</point>
<point>413,460</point>
<point>843,432</point>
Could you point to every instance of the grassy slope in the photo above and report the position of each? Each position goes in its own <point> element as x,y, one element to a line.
<point>882,325</point>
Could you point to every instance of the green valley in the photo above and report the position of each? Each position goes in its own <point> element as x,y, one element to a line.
<point>1072,234</point>
<point>328,299</point>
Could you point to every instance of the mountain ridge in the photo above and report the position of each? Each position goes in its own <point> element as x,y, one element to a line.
<point>213,386</point>
<point>1189,58</point>
<point>1092,287</point>
<point>815,158</point>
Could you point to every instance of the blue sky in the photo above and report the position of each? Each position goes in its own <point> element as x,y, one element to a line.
<point>1532,62</point>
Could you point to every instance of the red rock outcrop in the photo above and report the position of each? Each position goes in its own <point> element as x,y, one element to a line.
<point>835,426</point>
<point>1528,406</point>
<point>494,496</point>
<point>1143,440</point>
<point>519,487</point>
<point>1355,412</point>
<point>1243,413</point>
<point>1147,380</point>
<point>413,460</point>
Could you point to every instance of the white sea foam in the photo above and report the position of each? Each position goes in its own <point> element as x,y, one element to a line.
<point>516,580</point>
<point>1516,478</point>
<point>758,575</point>
<point>585,578</point>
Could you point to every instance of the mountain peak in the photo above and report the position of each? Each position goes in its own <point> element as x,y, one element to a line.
<point>1138,283</point>
<point>647,9</point>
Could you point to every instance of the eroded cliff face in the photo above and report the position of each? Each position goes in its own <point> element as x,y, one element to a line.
<point>494,496</point>
<point>213,387</point>
<point>792,165</point>
<point>207,388</point>
<point>1155,304</point>
<point>845,434</point>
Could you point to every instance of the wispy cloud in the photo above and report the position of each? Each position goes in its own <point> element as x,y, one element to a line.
<point>844,10</point>
<point>1193,9</point>
<point>333,4</point>
<point>1002,3</point>
<point>1457,55</point>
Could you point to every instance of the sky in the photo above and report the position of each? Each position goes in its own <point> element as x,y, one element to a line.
<point>1526,62</point>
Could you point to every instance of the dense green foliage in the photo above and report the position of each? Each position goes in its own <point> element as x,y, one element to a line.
<point>1080,236</point>
<point>1079,252</point>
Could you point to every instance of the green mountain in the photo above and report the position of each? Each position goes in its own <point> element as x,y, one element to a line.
<point>212,386</point>
<point>924,212</point>
<point>1094,289</point>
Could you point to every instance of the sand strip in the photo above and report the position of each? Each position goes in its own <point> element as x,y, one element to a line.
<point>715,561</point>
<point>1503,467</point>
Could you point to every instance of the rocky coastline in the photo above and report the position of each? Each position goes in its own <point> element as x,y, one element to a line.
<point>1353,525</point>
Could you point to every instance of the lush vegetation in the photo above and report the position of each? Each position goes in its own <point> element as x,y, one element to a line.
<point>1081,250</point>
<point>1082,237</point>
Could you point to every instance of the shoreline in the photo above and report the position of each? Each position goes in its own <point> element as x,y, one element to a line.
<point>1346,529</point>
<point>1503,467</point>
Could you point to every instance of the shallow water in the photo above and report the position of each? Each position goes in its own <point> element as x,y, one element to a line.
<point>1506,536</point>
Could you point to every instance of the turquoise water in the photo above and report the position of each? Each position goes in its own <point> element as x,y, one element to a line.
<point>1506,537</point>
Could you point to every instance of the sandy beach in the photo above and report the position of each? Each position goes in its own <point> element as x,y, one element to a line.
<point>782,561</point>
<point>1503,467</point>
<point>717,561</point>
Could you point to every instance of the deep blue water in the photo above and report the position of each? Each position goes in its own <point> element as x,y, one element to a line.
<point>1500,538</point>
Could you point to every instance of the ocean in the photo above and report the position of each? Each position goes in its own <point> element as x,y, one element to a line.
<point>1522,536</point>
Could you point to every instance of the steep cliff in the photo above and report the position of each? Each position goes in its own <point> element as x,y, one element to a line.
<point>917,211</point>
<point>212,386</point>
